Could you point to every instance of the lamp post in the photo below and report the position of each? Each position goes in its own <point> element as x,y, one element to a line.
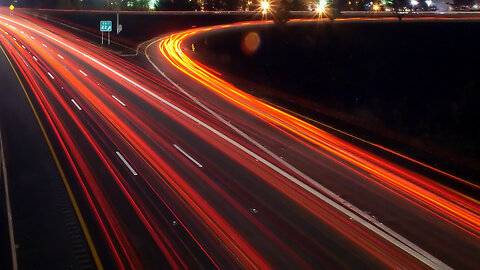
<point>413,3</point>
<point>429,4</point>
<point>119,26</point>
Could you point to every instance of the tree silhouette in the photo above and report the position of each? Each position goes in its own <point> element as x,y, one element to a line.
<point>176,5</point>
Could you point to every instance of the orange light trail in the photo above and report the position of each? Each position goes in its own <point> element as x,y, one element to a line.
<point>458,208</point>
<point>209,206</point>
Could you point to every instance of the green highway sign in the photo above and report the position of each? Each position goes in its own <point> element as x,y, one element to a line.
<point>106,26</point>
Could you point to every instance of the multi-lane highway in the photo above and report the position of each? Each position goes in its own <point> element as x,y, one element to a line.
<point>177,168</point>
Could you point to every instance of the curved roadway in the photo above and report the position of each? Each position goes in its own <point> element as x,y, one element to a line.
<point>190,172</point>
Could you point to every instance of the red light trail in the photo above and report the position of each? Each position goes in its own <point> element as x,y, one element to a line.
<point>133,142</point>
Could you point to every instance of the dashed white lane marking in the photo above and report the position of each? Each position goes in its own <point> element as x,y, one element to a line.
<point>119,101</point>
<point>126,163</point>
<point>188,156</point>
<point>76,105</point>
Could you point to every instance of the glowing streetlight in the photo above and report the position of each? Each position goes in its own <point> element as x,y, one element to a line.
<point>320,8</point>
<point>429,2</point>
<point>413,3</point>
<point>376,7</point>
<point>265,6</point>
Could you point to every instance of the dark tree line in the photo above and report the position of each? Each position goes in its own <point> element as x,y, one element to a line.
<point>215,4</point>
<point>177,5</point>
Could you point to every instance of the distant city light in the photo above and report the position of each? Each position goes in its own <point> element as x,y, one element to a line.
<point>376,7</point>
<point>428,2</point>
<point>414,2</point>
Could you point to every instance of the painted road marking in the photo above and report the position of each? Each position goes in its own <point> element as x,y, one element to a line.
<point>76,105</point>
<point>414,250</point>
<point>51,76</point>
<point>119,101</point>
<point>83,72</point>
<point>11,235</point>
<point>187,155</point>
<point>88,237</point>
<point>339,204</point>
<point>126,163</point>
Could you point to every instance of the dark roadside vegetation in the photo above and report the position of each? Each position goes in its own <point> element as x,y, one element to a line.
<point>410,86</point>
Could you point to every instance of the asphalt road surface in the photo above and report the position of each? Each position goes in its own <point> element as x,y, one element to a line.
<point>42,231</point>
<point>186,171</point>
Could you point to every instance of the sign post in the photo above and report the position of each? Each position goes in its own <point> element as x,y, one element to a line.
<point>106,26</point>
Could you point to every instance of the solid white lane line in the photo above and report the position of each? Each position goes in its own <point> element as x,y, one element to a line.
<point>119,101</point>
<point>35,58</point>
<point>342,205</point>
<point>415,251</point>
<point>11,235</point>
<point>44,45</point>
<point>126,163</point>
<point>60,56</point>
<point>76,105</point>
<point>83,72</point>
<point>51,76</point>
<point>188,156</point>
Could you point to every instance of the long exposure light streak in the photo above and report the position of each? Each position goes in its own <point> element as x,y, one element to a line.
<point>119,129</point>
<point>417,187</point>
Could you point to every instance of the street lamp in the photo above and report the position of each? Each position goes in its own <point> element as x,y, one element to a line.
<point>413,3</point>
<point>264,5</point>
<point>119,26</point>
<point>320,8</point>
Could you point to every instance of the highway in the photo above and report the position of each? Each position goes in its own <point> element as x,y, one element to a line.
<point>180,169</point>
